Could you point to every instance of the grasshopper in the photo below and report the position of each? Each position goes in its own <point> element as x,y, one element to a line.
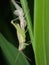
<point>20,28</point>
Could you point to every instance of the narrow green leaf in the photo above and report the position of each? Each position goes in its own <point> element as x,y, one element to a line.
<point>41,31</point>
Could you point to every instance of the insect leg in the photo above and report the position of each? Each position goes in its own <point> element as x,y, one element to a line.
<point>12,22</point>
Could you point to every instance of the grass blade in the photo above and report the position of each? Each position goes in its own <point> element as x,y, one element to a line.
<point>41,32</point>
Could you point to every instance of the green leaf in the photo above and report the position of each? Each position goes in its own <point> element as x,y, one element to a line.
<point>41,31</point>
<point>11,52</point>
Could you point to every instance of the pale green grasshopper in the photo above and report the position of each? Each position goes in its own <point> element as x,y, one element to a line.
<point>20,28</point>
